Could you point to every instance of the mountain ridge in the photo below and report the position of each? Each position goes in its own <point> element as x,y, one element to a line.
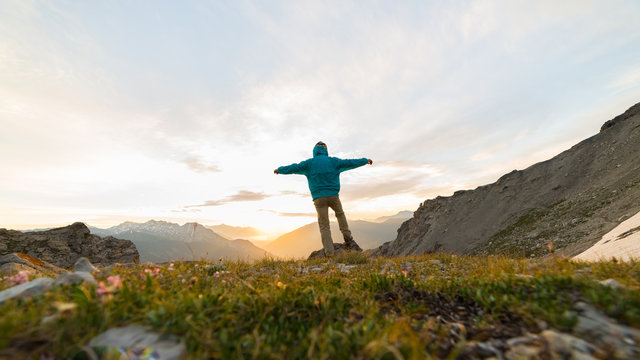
<point>563,204</point>
<point>161,241</point>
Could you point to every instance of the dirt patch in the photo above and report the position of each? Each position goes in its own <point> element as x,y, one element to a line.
<point>452,310</point>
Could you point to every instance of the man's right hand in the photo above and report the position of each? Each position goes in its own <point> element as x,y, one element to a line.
<point>369,161</point>
<point>275,171</point>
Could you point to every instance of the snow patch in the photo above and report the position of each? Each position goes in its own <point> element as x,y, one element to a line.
<point>623,243</point>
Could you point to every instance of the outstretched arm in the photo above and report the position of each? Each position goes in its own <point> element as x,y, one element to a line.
<point>299,168</point>
<point>348,164</point>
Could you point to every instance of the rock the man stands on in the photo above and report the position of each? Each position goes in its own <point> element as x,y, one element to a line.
<point>323,176</point>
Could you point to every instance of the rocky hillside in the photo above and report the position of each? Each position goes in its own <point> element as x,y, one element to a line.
<point>564,204</point>
<point>161,241</point>
<point>63,246</point>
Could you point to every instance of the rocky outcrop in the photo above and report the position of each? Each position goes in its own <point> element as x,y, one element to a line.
<point>63,246</point>
<point>338,247</point>
<point>564,204</point>
<point>11,264</point>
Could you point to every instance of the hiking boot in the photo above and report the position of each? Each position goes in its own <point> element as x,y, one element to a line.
<point>351,244</point>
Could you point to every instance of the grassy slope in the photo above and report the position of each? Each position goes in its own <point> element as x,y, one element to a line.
<point>280,309</point>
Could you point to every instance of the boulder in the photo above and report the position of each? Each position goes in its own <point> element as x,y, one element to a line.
<point>63,246</point>
<point>83,264</point>
<point>606,333</point>
<point>338,247</point>
<point>15,262</point>
<point>31,288</point>
<point>76,277</point>
<point>10,269</point>
<point>134,339</point>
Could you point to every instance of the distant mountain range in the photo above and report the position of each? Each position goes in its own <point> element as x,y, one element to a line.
<point>368,234</point>
<point>161,241</point>
<point>237,232</point>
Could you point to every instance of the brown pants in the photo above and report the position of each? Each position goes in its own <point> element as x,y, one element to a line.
<point>322,208</point>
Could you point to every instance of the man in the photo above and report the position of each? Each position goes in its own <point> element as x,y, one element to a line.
<point>323,176</point>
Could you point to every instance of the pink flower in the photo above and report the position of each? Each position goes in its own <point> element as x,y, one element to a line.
<point>19,278</point>
<point>148,271</point>
<point>405,273</point>
<point>156,271</point>
<point>102,288</point>
<point>115,281</point>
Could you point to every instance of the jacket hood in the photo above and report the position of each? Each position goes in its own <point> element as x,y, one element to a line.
<point>320,150</point>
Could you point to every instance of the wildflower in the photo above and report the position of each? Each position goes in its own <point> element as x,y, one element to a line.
<point>156,271</point>
<point>405,273</point>
<point>281,285</point>
<point>19,278</point>
<point>102,288</point>
<point>183,281</point>
<point>115,281</point>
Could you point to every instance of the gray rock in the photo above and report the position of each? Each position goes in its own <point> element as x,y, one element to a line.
<point>566,346</point>
<point>607,333</point>
<point>346,268</point>
<point>83,264</point>
<point>525,352</point>
<point>319,254</point>
<point>611,283</point>
<point>13,258</point>
<point>31,288</point>
<point>35,264</point>
<point>63,246</point>
<point>136,337</point>
<point>76,277</point>
<point>9,269</point>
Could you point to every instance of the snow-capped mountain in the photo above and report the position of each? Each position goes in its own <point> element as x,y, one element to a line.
<point>161,241</point>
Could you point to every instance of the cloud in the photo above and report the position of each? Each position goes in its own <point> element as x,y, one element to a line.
<point>290,214</point>
<point>198,166</point>
<point>242,195</point>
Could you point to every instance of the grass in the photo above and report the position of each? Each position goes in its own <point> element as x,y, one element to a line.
<point>353,307</point>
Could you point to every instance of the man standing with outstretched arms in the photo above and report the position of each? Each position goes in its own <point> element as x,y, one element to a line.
<point>323,176</point>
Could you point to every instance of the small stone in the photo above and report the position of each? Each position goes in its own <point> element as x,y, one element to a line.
<point>606,332</point>
<point>76,277</point>
<point>136,338</point>
<point>612,283</point>
<point>83,264</point>
<point>522,340</point>
<point>565,346</point>
<point>524,352</point>
<point>31,288</point>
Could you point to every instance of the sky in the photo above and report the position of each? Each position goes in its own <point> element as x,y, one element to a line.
<point>115,111</point>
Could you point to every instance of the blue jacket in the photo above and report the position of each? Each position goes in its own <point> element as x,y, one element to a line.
<point>322,171</point>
